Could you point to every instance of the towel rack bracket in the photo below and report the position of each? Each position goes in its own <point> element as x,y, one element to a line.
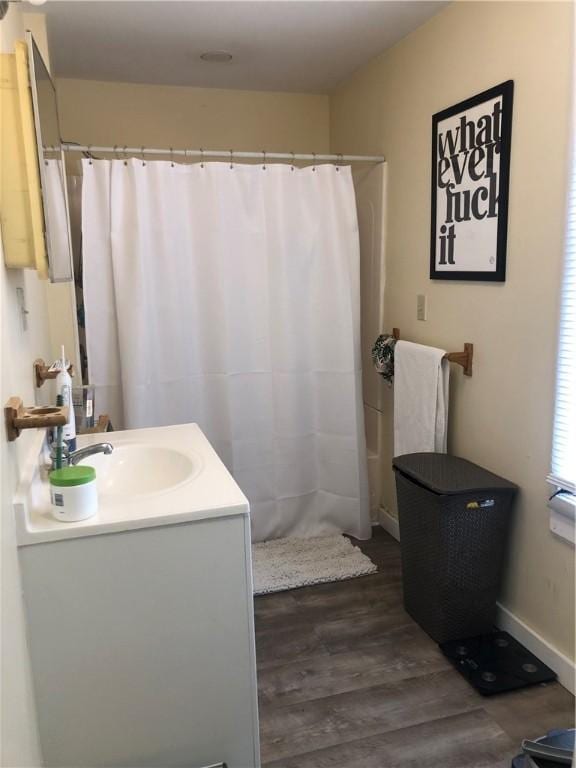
<point>461,358</point>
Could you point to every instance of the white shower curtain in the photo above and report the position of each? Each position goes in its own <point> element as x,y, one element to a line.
<point>230,297</point>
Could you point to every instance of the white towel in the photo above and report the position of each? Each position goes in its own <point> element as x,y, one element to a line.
<point>421,380</point>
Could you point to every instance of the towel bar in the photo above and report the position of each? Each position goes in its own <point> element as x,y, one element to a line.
<point>461,358</point>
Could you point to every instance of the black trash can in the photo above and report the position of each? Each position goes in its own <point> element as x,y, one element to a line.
<point>454,522</point>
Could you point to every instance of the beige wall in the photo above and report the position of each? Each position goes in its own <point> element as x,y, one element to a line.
<point>102,113</point>
<point>18,733</point>
<point>502,417</point>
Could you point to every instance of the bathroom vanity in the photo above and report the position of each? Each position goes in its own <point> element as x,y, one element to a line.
<point>141,619</point>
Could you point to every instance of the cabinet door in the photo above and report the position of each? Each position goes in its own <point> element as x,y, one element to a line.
<point>142,647</point>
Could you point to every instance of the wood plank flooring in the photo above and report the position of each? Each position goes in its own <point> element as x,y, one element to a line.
<point>347,680</point>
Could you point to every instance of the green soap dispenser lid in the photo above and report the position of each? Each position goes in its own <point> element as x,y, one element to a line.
<point>69,476</point>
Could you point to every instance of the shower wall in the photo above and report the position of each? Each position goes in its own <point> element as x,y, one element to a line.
<point>370,185</point>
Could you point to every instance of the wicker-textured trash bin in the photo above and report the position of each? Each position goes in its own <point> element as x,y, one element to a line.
<point>454,520</point>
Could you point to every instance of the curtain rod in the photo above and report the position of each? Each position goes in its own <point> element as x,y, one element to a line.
<point>227,155</point>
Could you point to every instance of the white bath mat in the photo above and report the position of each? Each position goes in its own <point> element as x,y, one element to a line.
<point>288,563</point>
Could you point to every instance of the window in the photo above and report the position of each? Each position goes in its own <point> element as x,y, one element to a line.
<point>563,473</point>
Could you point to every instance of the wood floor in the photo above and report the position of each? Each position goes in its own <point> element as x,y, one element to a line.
<point>348,680</point>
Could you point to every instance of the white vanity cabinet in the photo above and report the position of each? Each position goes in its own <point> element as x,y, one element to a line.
<point>142,639</point>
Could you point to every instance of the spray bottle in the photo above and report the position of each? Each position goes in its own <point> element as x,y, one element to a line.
<point>64,388</point>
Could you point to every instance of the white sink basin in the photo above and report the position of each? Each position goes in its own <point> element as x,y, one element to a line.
<point>154,477</point>
<point>137,470</point>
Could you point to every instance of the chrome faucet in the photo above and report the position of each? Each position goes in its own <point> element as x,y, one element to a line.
<point>70,458</point>
<point>89,450</point>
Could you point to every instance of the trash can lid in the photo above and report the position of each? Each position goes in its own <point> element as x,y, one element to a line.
<point>448,475</point>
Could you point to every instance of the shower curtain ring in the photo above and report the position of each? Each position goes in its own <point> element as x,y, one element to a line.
<point>171,157</point>
<point>115,151</point>
<point>339,162</point>
<point>201,158</point>
<point>264,160</point>
<point>125,153</point>
<point>231,159</point>
<point>314,161</point>
<point>142,156</point>
<point>89,154</point>
<point>293,160</point>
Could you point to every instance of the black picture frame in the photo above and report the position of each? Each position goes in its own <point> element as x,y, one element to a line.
<point>465,171</point>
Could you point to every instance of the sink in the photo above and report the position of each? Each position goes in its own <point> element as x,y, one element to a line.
<point>138,470</point>
<point>155,476</point>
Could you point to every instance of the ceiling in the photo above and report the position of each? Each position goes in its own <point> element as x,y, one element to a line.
<point>284,45</point>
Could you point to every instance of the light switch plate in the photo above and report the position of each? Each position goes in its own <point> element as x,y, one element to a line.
<point>421,307</point>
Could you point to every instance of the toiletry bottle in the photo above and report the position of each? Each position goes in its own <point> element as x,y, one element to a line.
<point>64,388</point>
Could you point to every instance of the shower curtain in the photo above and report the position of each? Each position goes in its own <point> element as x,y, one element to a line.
<point>229,296</point>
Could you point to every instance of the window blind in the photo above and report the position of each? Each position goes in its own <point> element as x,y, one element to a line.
<point>563,473</point>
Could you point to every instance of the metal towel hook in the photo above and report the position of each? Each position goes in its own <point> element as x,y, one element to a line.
<point>142,156</point>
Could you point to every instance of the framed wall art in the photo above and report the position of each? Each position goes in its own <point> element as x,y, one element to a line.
<point>470,178</point>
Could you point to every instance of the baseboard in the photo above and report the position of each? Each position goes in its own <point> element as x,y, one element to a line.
<point>551,656</point>
<point>389,523</point>
<point>509,622</point>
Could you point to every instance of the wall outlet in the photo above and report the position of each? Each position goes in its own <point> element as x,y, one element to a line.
<point>421,307</point>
